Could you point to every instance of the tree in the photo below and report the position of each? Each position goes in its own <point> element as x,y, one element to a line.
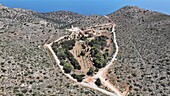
<point>99,63</point>
<point>62,62</point>
<point>61,54</point>
<point>105,55</point>
<point>91,71</point>
<point>83,38</point>
<point>98,82</point>
<point>72,60</point>
<point>98,55</point>
<point>68,44</point>
<point>99,42</point>
<point>94,51</point>
<point>78,77</point>
<point>83,46</point>
<point>67,67</point>
<point>107,50</point>
<point>82,53</point>
<point>76,65</point>
<point>55,47</point>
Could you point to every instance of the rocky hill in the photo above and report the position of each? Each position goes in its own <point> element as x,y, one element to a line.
<point>25,69</point>
<point>64,16</point>
<point>143,62</point>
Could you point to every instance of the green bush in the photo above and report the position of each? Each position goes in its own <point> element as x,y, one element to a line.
<point>68,44</point>
<point>83,46</point>
<point>98,82</point>
<point>61,54</point>
<point>55,47</point>
<point>62,62</point>
<point>67,67</point>
<point>78,77</point>
<point>105,55</point>
<point>99,42</point>
<point>82,53</point>
<point>98,58</point>
<point>94,51</point>
<point>99,63</point>
<point>83,38</point>
<point>91,71</point>
<point>72,60</point>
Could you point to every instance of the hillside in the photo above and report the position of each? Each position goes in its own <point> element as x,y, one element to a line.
<point>25,67</point>
<point>64,16</point>
<point>143,63</point>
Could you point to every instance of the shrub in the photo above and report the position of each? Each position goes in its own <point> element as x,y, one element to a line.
<point>72,60</point>
<point>106,55</point>
<point>83,38</point>
<point>78,77</point>
<point>82,53</point>
<point>54,47</point>
<point>99,63</point>
<point>91,71</point>
<point>99,42</point>
<point>67,67</point>
<point>83,46</point>
<point>61,54</point>
<point>68,44</point>
<point>98,82</point>
<point>62,62</point>
<point>98,58</point>
<point>94,51</point>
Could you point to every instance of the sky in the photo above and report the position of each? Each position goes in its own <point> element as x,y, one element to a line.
<point>87,7</point>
